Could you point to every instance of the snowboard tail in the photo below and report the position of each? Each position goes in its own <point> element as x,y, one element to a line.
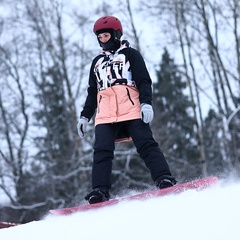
<point>7,224</point>
<point>177,189</point>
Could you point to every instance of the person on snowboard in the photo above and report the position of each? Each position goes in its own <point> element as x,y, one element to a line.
<point>120,93</point>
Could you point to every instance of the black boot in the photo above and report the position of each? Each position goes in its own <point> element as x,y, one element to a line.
<point>165,181</point>
<point>98,195</point>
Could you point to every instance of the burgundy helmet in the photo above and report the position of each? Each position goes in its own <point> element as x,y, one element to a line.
<point>108,22</point>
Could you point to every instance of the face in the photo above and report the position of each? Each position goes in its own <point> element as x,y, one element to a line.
<point>104,37</point>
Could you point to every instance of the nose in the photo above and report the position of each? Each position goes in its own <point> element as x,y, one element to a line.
<point>104,39</point>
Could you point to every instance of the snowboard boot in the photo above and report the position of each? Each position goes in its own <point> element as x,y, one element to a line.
<point>165,181</point>
<point>98,195</point>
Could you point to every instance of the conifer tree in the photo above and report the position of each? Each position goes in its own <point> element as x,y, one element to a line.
<point>213,141</point>
<point>57,143</point>
<point>173,125</point>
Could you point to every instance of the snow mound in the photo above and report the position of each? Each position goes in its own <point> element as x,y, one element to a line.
<point>212,214</point>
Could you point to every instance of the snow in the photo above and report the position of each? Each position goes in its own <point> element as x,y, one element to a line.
<point>212,214</point>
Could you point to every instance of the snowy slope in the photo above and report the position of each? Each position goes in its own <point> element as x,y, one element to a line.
<point>212,214</point>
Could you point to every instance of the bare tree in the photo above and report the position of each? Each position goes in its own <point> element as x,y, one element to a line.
<point>14,109</point>
<point>46,62</point>
<point>223,83</point>
<point>196,32</point>
<point>54,54</point>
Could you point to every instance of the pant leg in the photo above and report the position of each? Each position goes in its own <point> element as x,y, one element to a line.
<point>105,135</point>
<point>148,148</point>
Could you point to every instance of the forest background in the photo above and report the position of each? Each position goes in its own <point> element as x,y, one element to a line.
<point>192,50</point>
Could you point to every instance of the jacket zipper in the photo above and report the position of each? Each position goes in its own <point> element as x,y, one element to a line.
<point>128,93</point>
<point>100,99</point>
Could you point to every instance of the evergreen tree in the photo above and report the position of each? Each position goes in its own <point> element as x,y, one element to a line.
<point>212,137</point>
<point>173,124</point>
<point>57,143</point>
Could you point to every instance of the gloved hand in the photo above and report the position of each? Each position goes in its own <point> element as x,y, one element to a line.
<point>82,126</point>
<point>146,112</point>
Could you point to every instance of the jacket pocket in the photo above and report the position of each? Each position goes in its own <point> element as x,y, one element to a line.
<point>129,96</point>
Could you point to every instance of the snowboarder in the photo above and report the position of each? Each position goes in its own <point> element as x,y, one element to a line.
<point>120,93</point>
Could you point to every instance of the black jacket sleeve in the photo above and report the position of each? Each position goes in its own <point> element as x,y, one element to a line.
<point>141,76</point>
<point>91,100</point>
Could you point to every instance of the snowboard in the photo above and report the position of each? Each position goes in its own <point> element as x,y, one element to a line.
<point>7,224</point>
<point>199,184</point>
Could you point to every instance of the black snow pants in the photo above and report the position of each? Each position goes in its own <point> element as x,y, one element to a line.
<point>147,147</point>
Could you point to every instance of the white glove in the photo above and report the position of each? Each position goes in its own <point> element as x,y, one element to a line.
<point>146,112</point>
<point>82,126</point>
